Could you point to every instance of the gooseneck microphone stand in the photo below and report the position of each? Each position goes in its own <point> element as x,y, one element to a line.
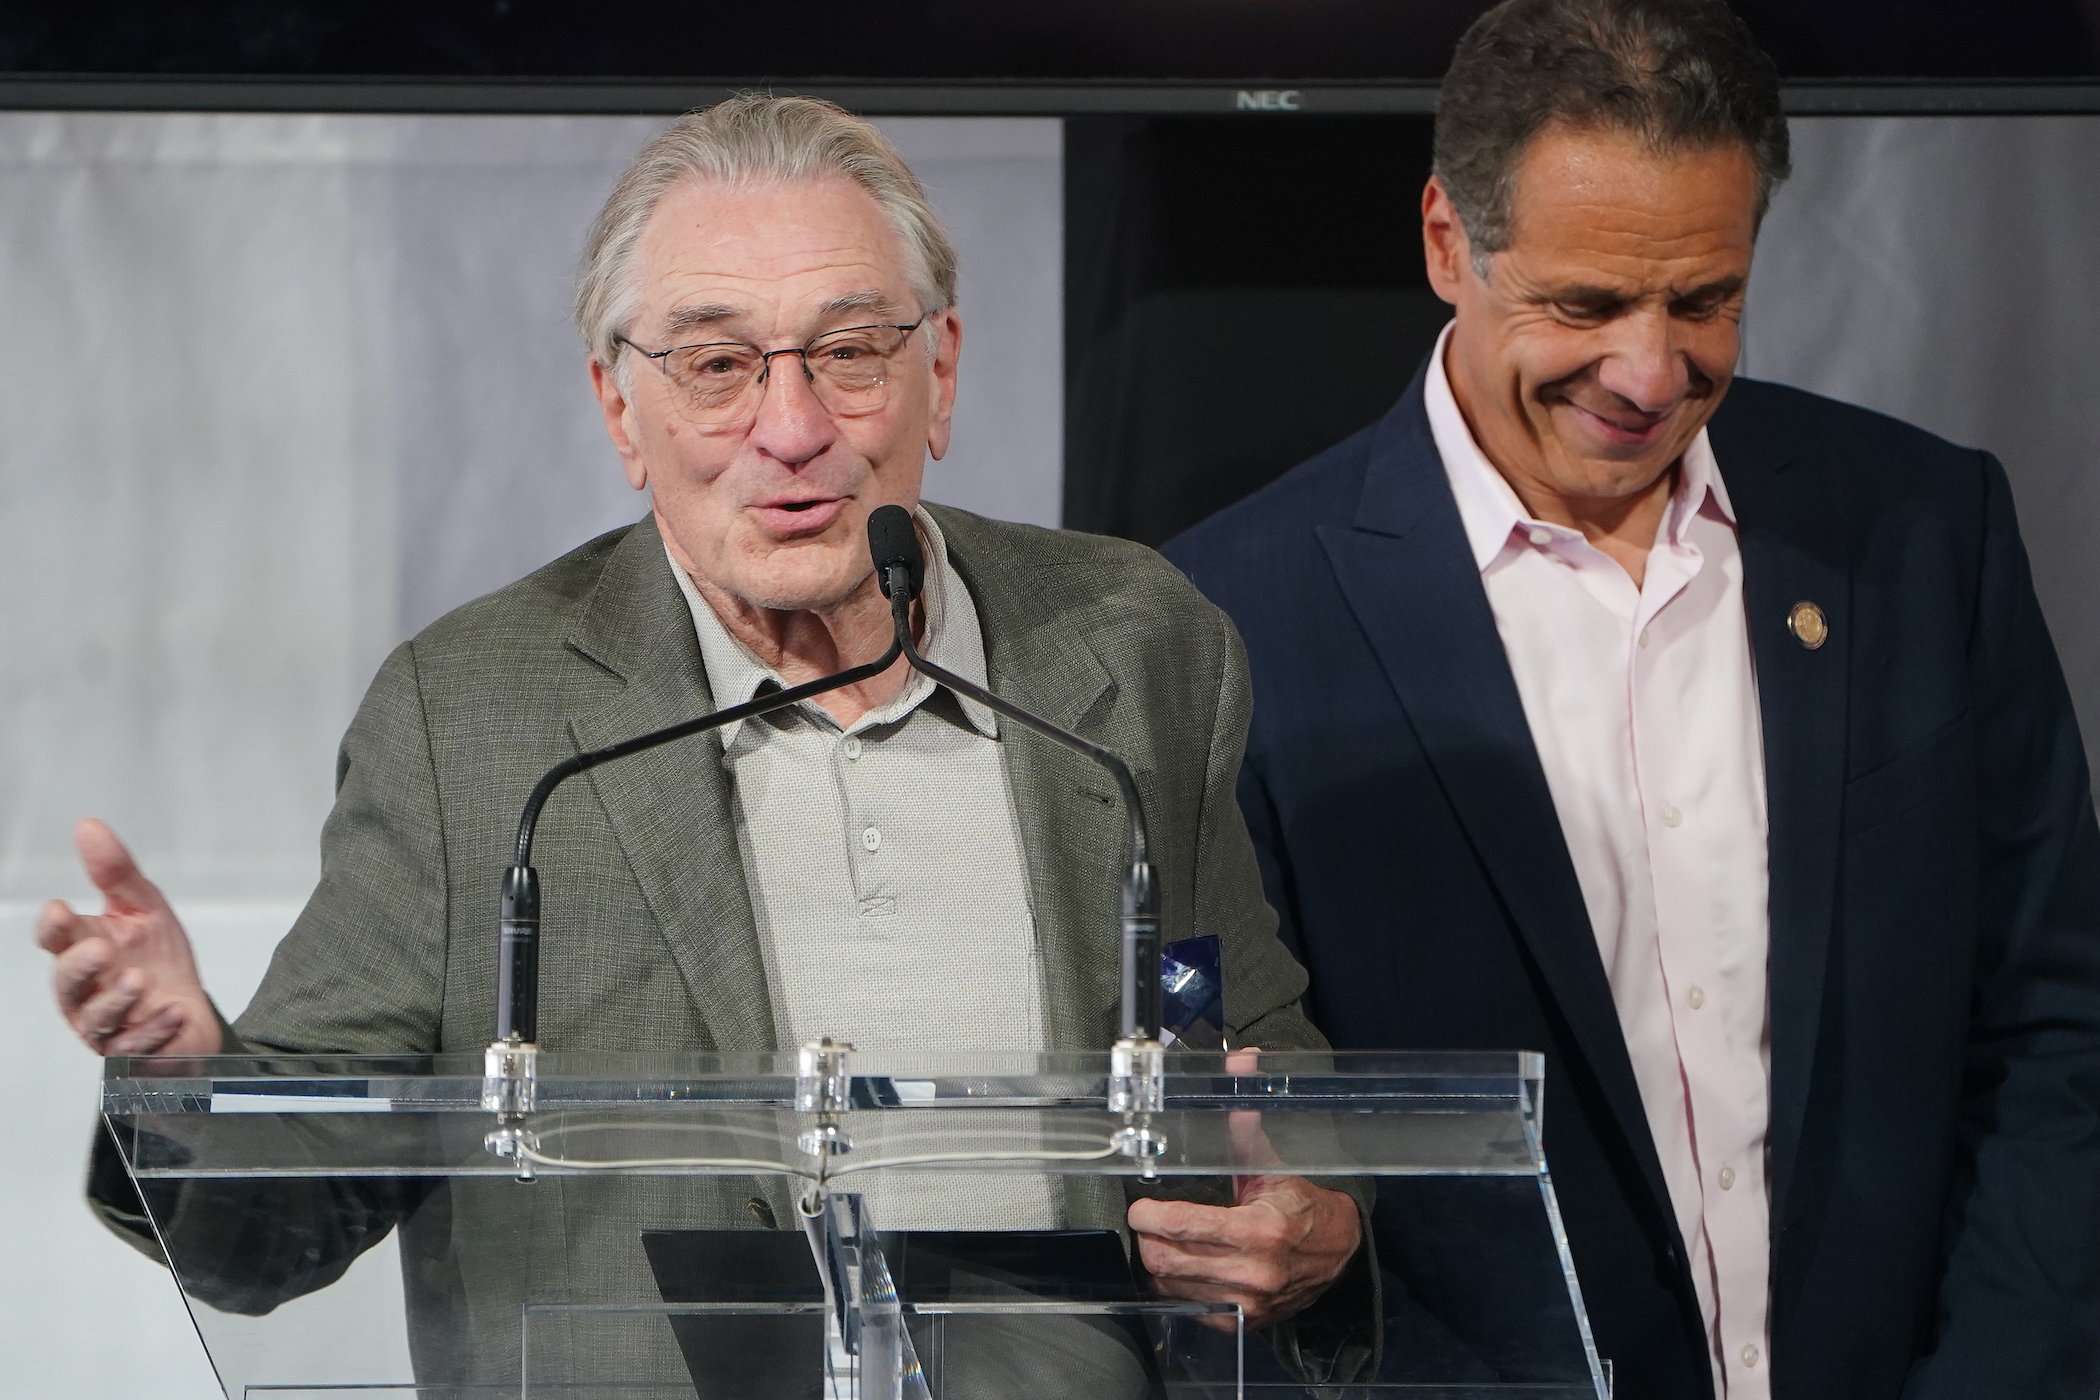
<point>1136,1086</point>
<point>1137,1061</point>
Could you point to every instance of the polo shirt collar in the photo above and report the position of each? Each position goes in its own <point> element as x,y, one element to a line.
<point>953,639</point>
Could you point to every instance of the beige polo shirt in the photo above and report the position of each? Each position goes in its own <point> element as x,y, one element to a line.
<point>887,880</point>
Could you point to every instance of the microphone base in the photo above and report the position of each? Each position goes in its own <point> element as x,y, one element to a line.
<point>1137,1089</point>
<point>510,1090</point>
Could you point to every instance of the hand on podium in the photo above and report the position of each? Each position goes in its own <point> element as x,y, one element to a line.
<point>126,980</point>
<point>1273,1252</point>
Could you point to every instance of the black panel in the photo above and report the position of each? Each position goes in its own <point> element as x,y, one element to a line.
<point>1949,40</point>
<point>939,41</point>
<point>931,40</point>
<point>1238,295</point>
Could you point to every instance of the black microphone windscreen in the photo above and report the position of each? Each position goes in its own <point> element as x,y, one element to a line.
<point>892,540</point>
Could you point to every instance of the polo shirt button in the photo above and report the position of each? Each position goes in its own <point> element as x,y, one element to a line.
<point>852,746</point>
<point>871,840</point>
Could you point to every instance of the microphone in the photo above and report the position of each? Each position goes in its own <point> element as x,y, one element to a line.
<point>900,571</point>
<point>518,937</point>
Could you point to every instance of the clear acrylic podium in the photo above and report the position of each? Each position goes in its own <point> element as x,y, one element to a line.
<point>758,1226</point>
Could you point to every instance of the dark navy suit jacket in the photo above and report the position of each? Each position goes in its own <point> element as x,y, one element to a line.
<point>1934,890</point>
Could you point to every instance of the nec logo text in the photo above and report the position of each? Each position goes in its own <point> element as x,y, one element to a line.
<point>1267,100</point>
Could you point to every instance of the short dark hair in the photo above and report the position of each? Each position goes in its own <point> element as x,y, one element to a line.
<point>1679,74</point>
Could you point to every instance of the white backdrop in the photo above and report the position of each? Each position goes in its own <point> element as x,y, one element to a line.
<point>275,392</point>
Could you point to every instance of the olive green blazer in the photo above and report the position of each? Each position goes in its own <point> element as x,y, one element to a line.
<point>648,942</point>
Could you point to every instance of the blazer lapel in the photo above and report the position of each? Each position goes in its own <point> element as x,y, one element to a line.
<point>1790,517</point>
<point>1407,575</point>
<point>1074,834</point>
<point>637,626</point>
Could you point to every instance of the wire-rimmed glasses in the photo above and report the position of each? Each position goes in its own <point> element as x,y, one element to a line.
<point>850,370</point>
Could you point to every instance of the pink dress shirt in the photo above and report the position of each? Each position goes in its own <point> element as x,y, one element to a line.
<point>1642,703</point>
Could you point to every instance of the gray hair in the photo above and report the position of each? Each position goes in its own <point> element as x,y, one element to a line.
<point>1682,75</point>
<point>750,138</point>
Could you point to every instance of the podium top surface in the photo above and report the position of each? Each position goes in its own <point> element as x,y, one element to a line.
<point>1312,1112</point>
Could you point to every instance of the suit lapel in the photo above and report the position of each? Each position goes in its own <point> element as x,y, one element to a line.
<point>1074,835</point>
<point>1405,570</point>
<point>1790,515</point>
<point>637,626</point>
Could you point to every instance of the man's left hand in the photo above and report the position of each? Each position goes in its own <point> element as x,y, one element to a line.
<point>1273,1253</point>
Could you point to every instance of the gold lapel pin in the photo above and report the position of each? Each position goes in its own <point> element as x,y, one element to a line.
<point>1806,621</point>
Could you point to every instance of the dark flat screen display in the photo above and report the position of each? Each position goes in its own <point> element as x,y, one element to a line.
<point>949,41</point>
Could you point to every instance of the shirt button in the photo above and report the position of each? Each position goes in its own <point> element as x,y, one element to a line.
<point>1644,638</point>
<point>871,840</point>
<point>1694,997</point>
<point>1540,536</point>
<point>852,746</point>
<point>1670,815</point>
<point>1726,1176</point>
<point>1750,1355</point>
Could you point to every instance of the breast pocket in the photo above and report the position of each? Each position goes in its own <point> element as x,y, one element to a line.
<point>1925,772</point>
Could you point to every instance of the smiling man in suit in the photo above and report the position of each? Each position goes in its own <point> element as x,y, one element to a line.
<point>1703,735</point>
<point>769,304</point>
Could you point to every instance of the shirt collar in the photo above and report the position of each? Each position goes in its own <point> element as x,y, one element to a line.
<point>1487,505</point>
<point>953,639</point>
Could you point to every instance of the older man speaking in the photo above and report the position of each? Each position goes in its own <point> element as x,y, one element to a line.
<point>769,302</point>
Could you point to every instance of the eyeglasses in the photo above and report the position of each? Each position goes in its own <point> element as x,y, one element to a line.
<point>850,371</point>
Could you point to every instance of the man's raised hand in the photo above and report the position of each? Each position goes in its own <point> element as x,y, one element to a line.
<point>125,979</point>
